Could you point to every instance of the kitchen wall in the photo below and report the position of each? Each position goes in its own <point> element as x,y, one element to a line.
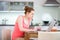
<point>52,11</point>
<point>38,16</point>
<point>10,16</point>
<point>59,16</point>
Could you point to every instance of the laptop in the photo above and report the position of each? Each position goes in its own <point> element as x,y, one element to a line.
<point>48,35</point>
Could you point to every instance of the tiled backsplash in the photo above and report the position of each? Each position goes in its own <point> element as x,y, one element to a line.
<point>10,16</point>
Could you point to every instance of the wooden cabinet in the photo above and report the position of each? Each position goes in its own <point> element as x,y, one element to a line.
<point>29,35</point>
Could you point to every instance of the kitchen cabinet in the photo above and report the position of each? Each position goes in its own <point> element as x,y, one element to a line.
<point>14,6</point>
<point>48,35</point>
<point>0,32</point>
<point>5,32</point>
<point>31,35</point>
<point>19,6</point>
<point>3,6</point>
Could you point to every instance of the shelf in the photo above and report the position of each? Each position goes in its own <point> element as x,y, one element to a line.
<point>14,6</point>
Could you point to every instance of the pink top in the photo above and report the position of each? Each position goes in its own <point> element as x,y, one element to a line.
<point>17,33</point>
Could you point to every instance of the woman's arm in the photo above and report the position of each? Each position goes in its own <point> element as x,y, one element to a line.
<point>20,23</point>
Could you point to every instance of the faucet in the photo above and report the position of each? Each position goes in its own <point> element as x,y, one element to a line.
<point>4,21</point>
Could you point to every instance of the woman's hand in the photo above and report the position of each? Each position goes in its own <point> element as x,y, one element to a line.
<point>37,28</point>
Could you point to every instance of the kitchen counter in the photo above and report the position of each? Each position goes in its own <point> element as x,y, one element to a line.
<point>48,35</point>
<point>44,28</point>
<point>6,25</point>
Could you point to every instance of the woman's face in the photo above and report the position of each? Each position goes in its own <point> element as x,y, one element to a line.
<point>30,14</point>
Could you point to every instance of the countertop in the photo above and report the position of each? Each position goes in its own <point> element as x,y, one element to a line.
<point>6,24</point>
<point>42,27</point>
<point>48,35</point>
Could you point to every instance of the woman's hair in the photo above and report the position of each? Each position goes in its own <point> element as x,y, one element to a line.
<point>28,9</point>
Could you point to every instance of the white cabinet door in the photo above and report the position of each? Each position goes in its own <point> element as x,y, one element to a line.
<point>0,32</point>
<point>6,32</point>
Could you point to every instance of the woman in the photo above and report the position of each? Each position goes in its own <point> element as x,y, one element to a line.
<point>22,24</point>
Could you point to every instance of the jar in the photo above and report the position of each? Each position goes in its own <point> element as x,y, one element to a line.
<point>54,29</point>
